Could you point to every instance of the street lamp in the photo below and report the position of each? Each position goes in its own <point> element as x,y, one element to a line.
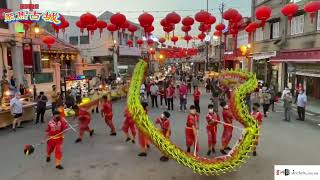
<point>37,29</point>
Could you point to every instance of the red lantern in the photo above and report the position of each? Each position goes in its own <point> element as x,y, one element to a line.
<point>174,39</point>
<point>188,21</point>
<point>101,25</point>
<point>48,40</point>
<point>132,29</point>
<point>202,36</point>
<point>164,23</point>
<point>204,27</point>
<point>312,8</point>
<point>162,40</point>
<point>129,43</point>
<point>149,29</point>
<point>112,28</point>
<point>187,38</point>
<point>139,42</point>
<point>211,20</point>
<point>80,25</point>
<point>56,28</point>
<point>252,27</point>
<point>173,18</point>
<point>26,24</point>
<point>88,19</point>
<point>230,14</point>
<point>146,19</point>
<point>186,29</point>
<point>237,18</point>
<point>234,32</point>
<point>153,52</point>
<point>64,24</point>
<point>217,33</point>
<point>168,29</point>
<point>202,16</point>
<point>125,26</point>
<point>290,10</point>
<point>92,28</point>
<point>118,19</point>
<point>263,13</point>
<point>150,42</point>
<point>220,27</point>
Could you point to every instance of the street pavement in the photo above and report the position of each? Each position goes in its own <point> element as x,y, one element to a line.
<point>103,157</point>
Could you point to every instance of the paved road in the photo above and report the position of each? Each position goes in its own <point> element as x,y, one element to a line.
<point>110,158</point>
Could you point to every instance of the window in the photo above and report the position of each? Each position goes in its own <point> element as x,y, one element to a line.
<point>40,78</point>
<point>318,21</point>
<point>275,30</point>
<point>84,39</point>
<point>259,34</point>
<point>297,25</point>
<point>3,5</point>
<point>74,40</point>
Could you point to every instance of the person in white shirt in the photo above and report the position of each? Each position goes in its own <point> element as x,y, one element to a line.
<point>154,89</point>
<point>16,111</point>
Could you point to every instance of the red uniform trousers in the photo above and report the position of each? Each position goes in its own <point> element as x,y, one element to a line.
<point>226,136</point>
<point>143,140</point>
<point>55,145</point>
<point>83,127</point>
<point>212,135</point>
<point>131,126</point>
<point>109,122</point>
<point>190,139</point>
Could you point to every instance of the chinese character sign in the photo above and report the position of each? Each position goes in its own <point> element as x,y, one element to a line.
<point>23,15</point>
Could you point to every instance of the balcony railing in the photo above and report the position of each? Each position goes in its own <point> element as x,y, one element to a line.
<point>129,51</point>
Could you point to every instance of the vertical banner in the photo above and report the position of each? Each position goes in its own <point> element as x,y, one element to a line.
<point>27,55</point>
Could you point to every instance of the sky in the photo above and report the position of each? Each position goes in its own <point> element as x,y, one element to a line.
<point>133,8</point>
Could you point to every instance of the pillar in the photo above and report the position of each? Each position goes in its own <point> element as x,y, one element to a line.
<point>17,63</point>
<point>57,74</point>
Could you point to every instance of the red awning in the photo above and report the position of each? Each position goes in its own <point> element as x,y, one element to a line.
<point>302,56</point>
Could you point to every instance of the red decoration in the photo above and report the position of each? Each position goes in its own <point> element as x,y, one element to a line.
<point>150,42</point>
<point>88,19</point>
<point>112,28</point>
<point>234,32</point>
<point>149,29</point>
<point>186,29</point>
<point>56,28</point>
<point>188,21</point>
<point>174,39</point>
<point>230,14</point>
<point>220,27</point>
<point>48,40</point>
<point>132,29</point>
<point>125,26</point>
<point>204,27</point>
<point>153,52</point>
<point>217,33</point>
<point>290,10</point>
<point>162,40</point>
<point>263,13</point>
<point>202,36</point>
<point>146,19</point>
<point>164,23</point>
<point>64,25</point>
<point>252,27</point>
<point>139,42</point>
<point>26,25</point>
<point>173,18</point>
<point>312,8</point>
<point>101,25</point>
<point>129,43</point>
<point>92,28</point>
<point>187,38</point>
<point>118,19</point>
<point>211,20</point>
<point>168,29</point>
<point>80,25</point>
<point>202,16</point>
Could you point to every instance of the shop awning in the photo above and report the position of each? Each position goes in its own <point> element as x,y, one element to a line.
<point>263,55</point>
<point>302,56</point>
<point>303,73</point>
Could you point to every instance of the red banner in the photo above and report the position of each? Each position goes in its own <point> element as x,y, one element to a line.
<point>27,55</point>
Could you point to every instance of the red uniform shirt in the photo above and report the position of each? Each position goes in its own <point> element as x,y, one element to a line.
<point>55,128</point>
<point>164,124</point>
<point>258,116</point>
<point>196,95</point>
<point>193,120</point>
<point>212,119</point>
<point>107,108</point>
<point>183,90</point>
<point>84,116</point>
<point>227,116</point>
<point>162,92</point>
<point>169,92</point>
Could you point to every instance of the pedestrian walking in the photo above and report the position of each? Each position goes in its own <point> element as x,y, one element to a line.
<point>54,132</point>
<point>16,111</point>
<point>266,97</point>
<point>154,91</point>
<point>148,89</point>
<point>54,98</point>
<point>41,107</point>
<point>162,93</point>
<point>169,96</point>
<point>212,119</point>
<point>196,99</point>
<point>195,83</point>
<point>287,104</point>
<point>70,100</point>
<point>183,90</point>
<point>301,105</point>
<point>272,93</point>
<point>164,123</point>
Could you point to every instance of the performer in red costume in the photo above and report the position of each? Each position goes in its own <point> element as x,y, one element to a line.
<point>227,128</point>
<point>164,123</point>
<point>106,112</point>
<point>212,119</point>
<point>84,118</point>
<point>129,124</point>
<point>259,117</point>
<point>191,130</point>
<point>54,131</point>
<point>196,98</point>
<point>143,139</point>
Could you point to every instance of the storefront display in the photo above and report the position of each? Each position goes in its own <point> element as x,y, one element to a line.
<point>79,83</point>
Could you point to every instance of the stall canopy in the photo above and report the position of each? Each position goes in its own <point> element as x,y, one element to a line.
<point>299,56</point>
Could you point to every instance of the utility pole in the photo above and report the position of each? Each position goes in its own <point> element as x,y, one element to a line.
<point>221,9</point>
<point>207,47</point>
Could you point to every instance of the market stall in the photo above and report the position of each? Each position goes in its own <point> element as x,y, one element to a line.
<point>79,83</point>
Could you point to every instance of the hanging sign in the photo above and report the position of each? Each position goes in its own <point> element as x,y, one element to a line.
<point>32,15</point>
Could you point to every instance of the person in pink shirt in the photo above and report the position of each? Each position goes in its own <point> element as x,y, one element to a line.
<point>183,90</point>
<point>169,95</point>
